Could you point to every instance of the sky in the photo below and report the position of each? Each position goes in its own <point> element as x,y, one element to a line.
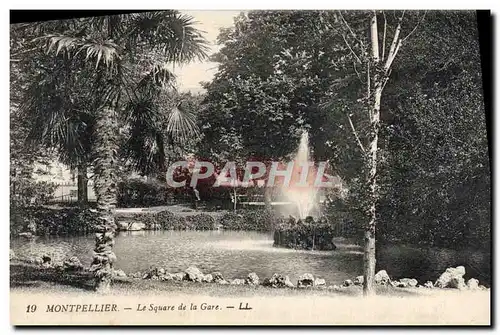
<point>189,76</point>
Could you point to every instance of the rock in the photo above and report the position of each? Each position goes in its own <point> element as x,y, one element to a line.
<point>179,276</point>
<point>359,280</point>
<point>12,255</point>
<point>483,288</point>
<point>319,282</point>
<point>72,264</point>
<point>153,272</point>
<point>194,274</point>
<point>396,283</point>
<point>131,225</point>
<point>208,278</point>
<point>445,280</point>
<point>119,273</point>
<point>166,276</point>
<point>278,280</point>
<point>155,277</point>
<point>223,282</point>
<point>217,277</point>
<point>34,259</point>
<point>238,282</point>
<point>306,280</point>
<point>457,282</point>
<point>382,278</point>
<point>409,282</point>
<point>348,283</point>
<point>27,235</point>
<point>473,284</point>
<point>288,282</point>
<point>252,279</point>
<point>429,284</point>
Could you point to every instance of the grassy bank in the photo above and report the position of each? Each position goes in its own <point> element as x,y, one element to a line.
<point>270,306</point>
<point>31,278</point>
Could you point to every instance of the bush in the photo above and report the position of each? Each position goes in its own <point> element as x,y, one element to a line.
<point>201,222</point>
<point>140,193</point>
<point>167,220</point>
<point>47,221</point>
<point>258,220</point>
<point>27,192</point>
<point>306,234</point>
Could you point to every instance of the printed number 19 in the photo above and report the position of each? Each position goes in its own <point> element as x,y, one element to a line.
<point>31,309</point>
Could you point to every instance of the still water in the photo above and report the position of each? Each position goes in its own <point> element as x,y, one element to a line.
<point>235,254</point>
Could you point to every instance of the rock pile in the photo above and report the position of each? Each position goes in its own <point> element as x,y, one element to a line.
<point>278,280</point>
<point>451,278</point>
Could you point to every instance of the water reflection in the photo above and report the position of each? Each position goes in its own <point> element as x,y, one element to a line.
<point>235,254</point>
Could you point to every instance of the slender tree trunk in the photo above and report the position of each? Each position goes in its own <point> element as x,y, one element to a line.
<point>82,185</point>
<point>378,72</point>
<point>105,188</point>
<point>369,250</point>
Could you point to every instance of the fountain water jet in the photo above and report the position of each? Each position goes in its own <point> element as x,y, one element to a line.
<point>301,191</point>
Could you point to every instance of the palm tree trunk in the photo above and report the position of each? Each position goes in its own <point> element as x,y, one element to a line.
<point>105,188</point>
<point>82,185</point>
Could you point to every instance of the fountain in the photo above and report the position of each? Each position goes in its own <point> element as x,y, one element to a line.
<point>305,229</point>
<point>301,191</point>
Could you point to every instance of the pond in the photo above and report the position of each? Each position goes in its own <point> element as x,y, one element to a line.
<point>235,254</point>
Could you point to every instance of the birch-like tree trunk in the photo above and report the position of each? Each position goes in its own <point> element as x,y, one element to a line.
<point>379,67</point>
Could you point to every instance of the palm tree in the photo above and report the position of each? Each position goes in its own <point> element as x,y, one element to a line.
<point>161,129</point>
<point>111,63</point>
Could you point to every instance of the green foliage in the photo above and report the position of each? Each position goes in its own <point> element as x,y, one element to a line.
<point>284,71</point>
<point>49,221</point>
<point>256,219</point>
<point>140,193</point>
<point>435,173</point>
<point>306,234</point>
<point>166,220</point>
<point>81,66</point>
<point>27,192</point>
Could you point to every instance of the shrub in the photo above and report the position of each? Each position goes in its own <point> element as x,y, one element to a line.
<point>232,221</point>
<point>258,220</point>
<point>168,220</point>
<point>48,221</point>
<point>201,222</point>
<point>305,234</point>
<point>140,193</point>
<point>27,193</point>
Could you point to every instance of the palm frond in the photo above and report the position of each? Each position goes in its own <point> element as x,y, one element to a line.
<point>145,143</point>
<point>172,33</point>
<point>181,125</point>
<point>106,51</point>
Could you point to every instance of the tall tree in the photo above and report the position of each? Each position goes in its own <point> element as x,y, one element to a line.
<point>376,55</point>
<point>115,59</point>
